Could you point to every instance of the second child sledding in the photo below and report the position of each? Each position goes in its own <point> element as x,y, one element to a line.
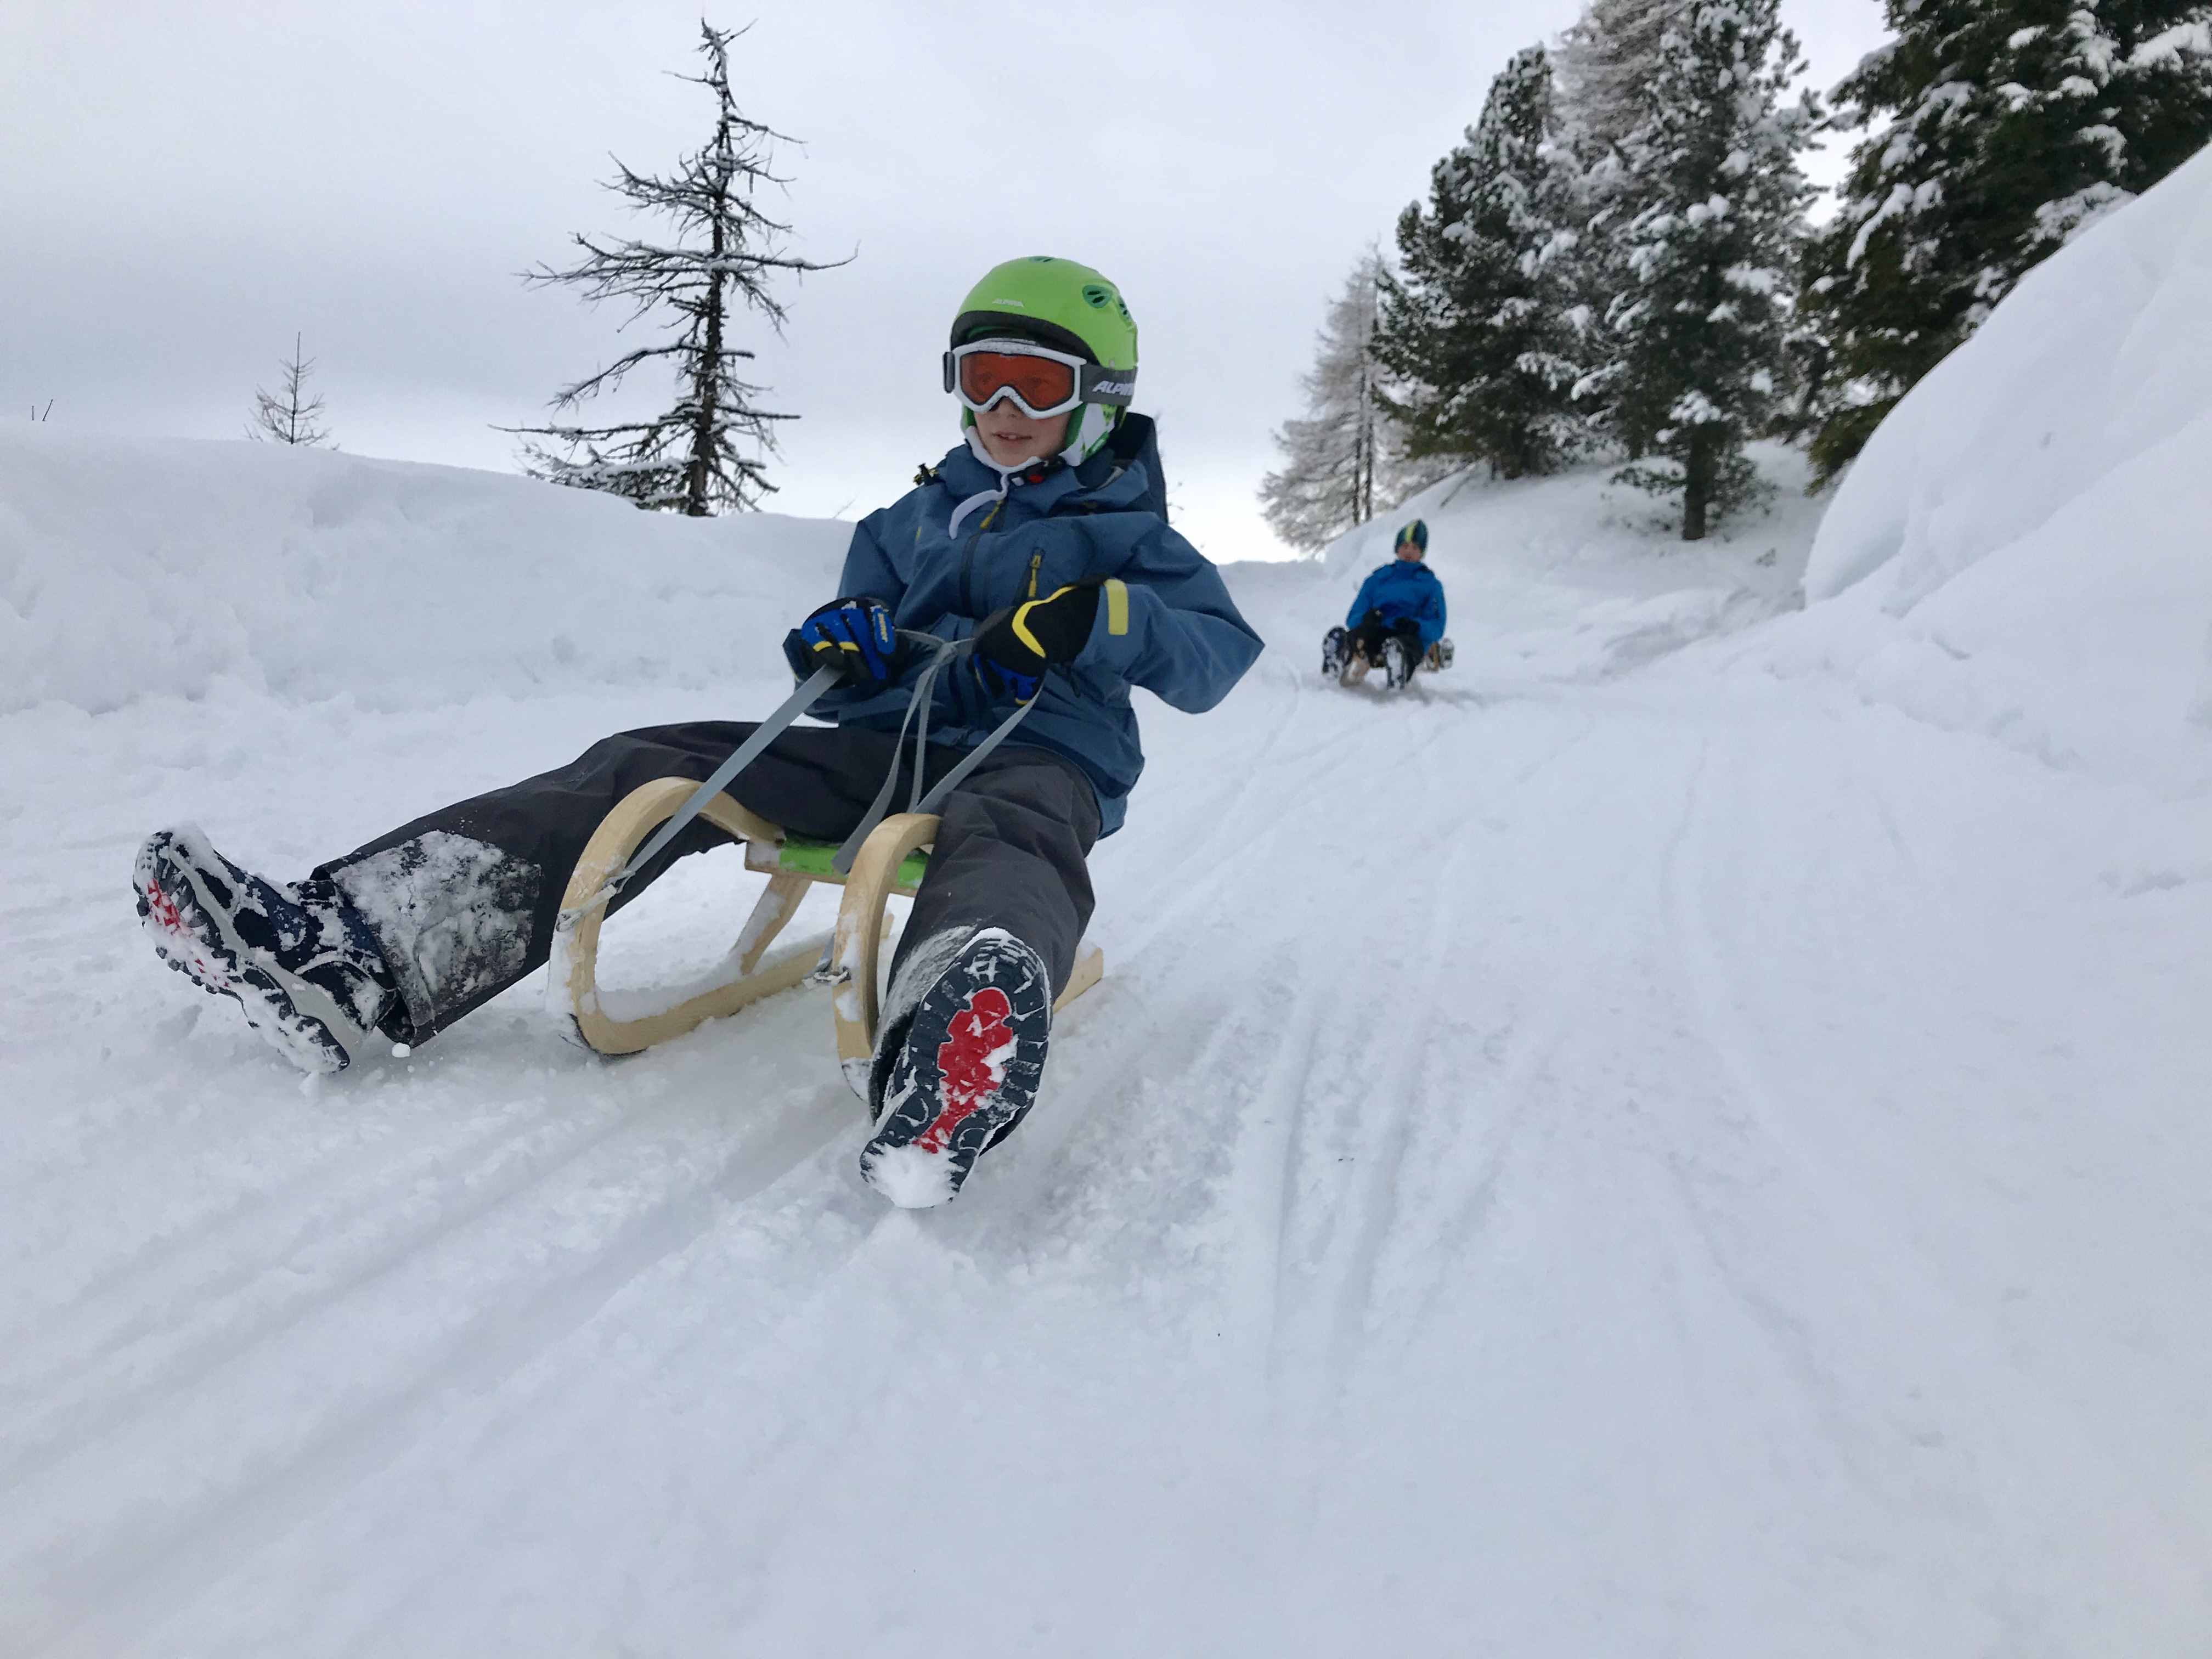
<point>1396,622</point>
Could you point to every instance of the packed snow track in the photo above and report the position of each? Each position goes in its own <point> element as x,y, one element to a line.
<point>1683,1134</point>
<point>1604,1168</point>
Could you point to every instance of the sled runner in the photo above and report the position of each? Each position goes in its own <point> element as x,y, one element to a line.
<point>893,860</point>
<point>1434,659</point>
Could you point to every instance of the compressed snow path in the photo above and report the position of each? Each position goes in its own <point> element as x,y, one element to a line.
<point>1646,1143</point>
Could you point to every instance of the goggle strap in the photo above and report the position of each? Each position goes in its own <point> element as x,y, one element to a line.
<point>1116,388</point>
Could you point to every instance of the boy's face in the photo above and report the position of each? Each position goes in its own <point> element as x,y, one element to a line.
<point>1011,437</point>
<point>1409,549</point>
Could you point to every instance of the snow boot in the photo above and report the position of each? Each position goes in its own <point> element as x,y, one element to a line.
<point>1334,650</point>
<point>1397,664</point>
<point>960,1067</point>
<point>300,961</point>
<point>1438,657</point>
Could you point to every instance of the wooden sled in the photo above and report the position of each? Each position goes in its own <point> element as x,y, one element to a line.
<point>1434,660</point>
<point>891,861</point>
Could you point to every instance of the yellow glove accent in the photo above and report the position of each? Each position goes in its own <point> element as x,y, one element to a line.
<point>1021,627</point>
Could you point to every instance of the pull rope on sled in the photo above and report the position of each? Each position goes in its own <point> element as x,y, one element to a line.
<point>944,653</point>
<point>743,756</point>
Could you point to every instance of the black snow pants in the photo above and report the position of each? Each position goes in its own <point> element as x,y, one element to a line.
<point>463,901</point>
<point>1367,637</point>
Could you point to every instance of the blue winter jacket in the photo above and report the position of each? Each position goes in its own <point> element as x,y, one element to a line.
<point>947,554</point>
<point>1403,588</point>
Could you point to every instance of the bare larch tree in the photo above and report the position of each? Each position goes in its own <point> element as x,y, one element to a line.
<point>1331,457</point>
<point>706,452</point>
<point>291,416</point>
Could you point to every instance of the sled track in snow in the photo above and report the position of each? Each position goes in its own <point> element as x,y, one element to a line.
<point>1528,1192</point>
<point>141,1575</point>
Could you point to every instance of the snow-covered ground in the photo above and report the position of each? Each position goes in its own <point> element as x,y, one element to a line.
<point>1683,1135</point>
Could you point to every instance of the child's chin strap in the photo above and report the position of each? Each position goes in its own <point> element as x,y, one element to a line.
<point>1072,456</point>
<point>1005,481</point>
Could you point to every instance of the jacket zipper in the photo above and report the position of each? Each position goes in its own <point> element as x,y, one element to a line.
<point>968,559</point>
<point>1035,559</point>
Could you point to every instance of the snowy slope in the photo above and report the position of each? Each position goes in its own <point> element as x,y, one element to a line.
<point>2022,550</point>
<point>1643,1146</point>
<point>136,567</point>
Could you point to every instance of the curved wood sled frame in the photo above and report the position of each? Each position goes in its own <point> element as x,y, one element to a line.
<point>855,956</point>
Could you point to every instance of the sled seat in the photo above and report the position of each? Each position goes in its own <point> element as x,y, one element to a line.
<point>893,860</point>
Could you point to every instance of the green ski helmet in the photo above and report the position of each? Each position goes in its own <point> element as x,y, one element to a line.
<point>1066,306</point>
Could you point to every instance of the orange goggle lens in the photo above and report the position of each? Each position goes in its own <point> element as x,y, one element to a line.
<point>1043,385</point>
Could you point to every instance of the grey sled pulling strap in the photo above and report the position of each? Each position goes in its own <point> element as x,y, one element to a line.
<point>743,756</point>
<point>774,727</point>
<point>947,651</point>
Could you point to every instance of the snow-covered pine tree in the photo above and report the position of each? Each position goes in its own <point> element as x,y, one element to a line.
<point>1698,324</point>
<point>1334,457</point>
<point>2104,102</point>
<point>688,459</point>
<point>1477,335</point>
<point>1601,64</point>
<point>292,416</point>
<point>2010,126</point>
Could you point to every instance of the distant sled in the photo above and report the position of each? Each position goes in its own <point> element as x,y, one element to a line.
<point>1356,669</point>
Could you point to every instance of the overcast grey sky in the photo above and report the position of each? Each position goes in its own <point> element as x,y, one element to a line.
<point>186,184</point>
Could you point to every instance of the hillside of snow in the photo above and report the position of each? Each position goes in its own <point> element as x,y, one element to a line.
<point>2025,548</point>
<point>1683,1134</point>
<point>137,568</point>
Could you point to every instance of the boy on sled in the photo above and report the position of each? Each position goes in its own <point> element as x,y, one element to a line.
<point>1396,622</point>
<point>1031,571</point>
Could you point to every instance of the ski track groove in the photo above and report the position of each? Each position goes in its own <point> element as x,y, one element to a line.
<point>1910,1288</point>
<point>1192,880</point>
<point>210,1350</point>
<point>780,1472</point>
<point>1352,1235</point>
<point>1738,1113</point>
<point>213,1348</point>
<point>1355,1214</point>
<point>143,1575</point>
<point>167,1256</point>
<point>1269,1137</point>
<point>1382,1183</point>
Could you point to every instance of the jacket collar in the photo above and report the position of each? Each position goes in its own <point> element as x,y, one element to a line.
<point>1101,483</point>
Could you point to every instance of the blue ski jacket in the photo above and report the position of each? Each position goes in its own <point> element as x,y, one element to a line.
<point>1403,589</point>
<point>970,540</point>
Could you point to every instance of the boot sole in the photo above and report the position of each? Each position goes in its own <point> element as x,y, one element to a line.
<point>193,934</point>
<point>988,1019</point>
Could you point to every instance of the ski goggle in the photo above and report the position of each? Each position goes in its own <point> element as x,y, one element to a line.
<point>1039,381</point>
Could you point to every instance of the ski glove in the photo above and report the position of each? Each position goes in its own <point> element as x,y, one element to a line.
<point>855,635</point>
<point>1017,644</point>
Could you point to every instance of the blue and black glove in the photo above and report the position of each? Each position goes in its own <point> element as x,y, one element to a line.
<point>1014,647</point>
<point>856,636</point>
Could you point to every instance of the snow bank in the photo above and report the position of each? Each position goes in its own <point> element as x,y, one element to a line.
<point>2022,548</point>
<point>131,567</point>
